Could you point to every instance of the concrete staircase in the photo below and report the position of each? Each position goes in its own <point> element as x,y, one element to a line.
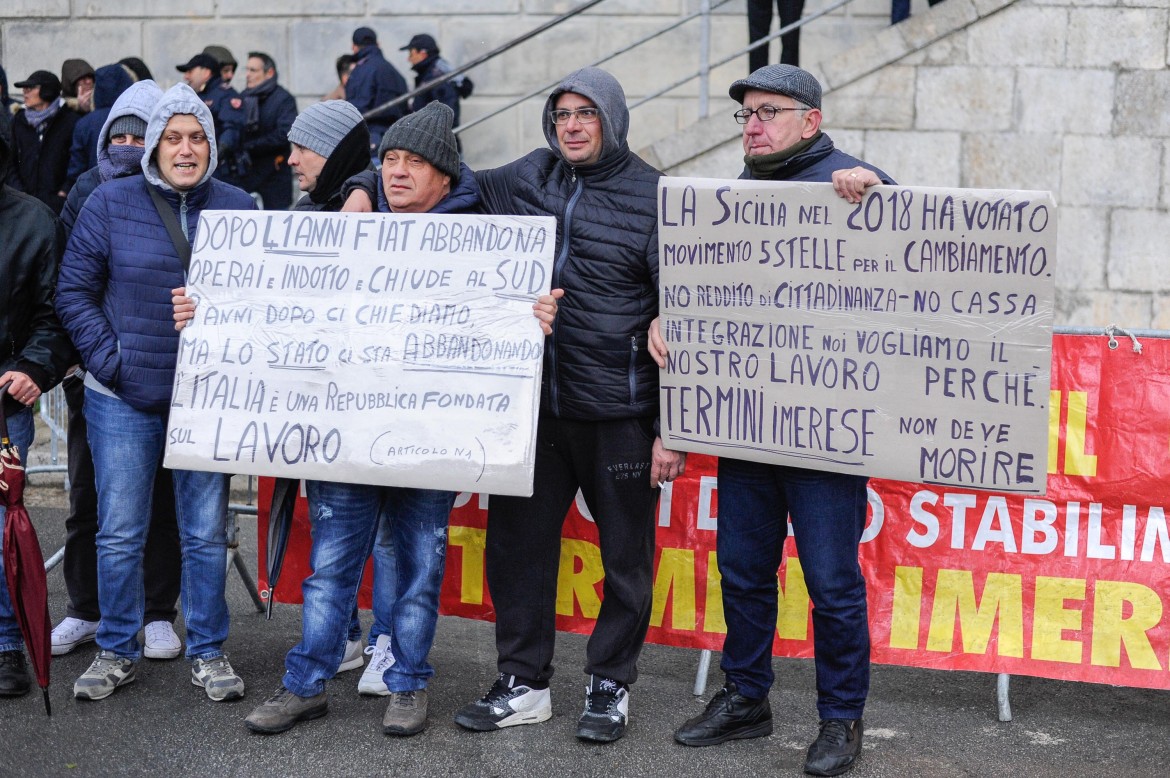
<point>703,148</point>
<point>1067,96</point>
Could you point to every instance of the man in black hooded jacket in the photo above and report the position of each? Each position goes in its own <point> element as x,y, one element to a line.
<point>599,406</point>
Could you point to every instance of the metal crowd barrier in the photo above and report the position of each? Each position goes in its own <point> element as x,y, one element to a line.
<point>54,412</point>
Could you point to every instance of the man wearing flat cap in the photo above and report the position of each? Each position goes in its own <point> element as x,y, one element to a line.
<point>373,83</point>
<point>421,173</point>
<point>782,141</point>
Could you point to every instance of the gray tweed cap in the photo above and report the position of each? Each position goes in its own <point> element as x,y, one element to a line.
<point>322,126</point>
<point>787,80</point>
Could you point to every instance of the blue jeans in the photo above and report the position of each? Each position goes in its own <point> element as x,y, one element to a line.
<point>828,517</point>
<point>345,519</point>
<point>20,432</point>
<point>385,585</point>
<point>127,446</point>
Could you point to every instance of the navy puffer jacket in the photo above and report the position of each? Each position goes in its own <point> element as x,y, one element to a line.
<point>596,366</point>
<point>114,293</point>
<point>818,162</point>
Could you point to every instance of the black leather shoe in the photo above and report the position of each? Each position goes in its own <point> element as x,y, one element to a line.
<point>836,747</point>
<point>14,681</point>
<point>729,716</point>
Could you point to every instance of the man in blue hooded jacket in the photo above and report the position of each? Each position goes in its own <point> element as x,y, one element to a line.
<point>119,152</point>
<point>114,298</point>
<point>110,82</point>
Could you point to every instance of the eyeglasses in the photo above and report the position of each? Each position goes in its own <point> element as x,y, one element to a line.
<point>766,113</point>
<point>584,115</point>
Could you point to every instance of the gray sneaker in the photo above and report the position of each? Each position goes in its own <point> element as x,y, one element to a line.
<point>406,714</point>
<point>284,709</point>
<point>107,672</point>
<point>217,678</point>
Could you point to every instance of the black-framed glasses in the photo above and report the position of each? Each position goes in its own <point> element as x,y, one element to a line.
<point>584,115</point>
<point>766,113</point>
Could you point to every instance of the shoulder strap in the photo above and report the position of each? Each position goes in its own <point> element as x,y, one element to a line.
<point>182,245</point>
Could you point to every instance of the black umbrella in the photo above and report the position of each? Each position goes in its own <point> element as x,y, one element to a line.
<point>280,516</point>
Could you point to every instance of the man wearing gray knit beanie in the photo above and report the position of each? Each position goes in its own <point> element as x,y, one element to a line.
<point>406,527</point>
<point>330,143</point>
<point>407,187</point>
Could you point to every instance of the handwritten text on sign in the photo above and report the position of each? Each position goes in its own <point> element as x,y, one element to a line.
<point>906,337</point>
<point>364,348</point>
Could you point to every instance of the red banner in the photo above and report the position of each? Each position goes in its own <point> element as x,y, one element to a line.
<point>1072,585</point>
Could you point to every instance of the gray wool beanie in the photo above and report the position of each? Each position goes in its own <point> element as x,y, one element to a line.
<point>322,126</point>
<point>787,80</point>
<point>128,125</point>
<point>428,134</point>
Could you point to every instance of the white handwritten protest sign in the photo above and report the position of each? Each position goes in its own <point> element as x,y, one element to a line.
<point>907,337</point>
<point>365,348</point>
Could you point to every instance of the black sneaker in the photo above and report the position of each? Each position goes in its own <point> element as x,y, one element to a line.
<point>607,706</point>
<point>836,747</point>
<point>505,705</point>
<point>14,680</point>
<point>729,716</point>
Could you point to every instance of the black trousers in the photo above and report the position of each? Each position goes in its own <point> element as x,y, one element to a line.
<point>162,563</point>
<point>610,462</point>
<point>759,14</point>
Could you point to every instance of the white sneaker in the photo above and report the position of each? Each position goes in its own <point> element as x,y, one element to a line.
<point>161,641</point>
<point>381,659</point>
<point>353,657</point>
<point>71,633</point>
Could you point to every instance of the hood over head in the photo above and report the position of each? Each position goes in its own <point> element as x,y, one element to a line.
<point>180,98</point>
<point>609,97</point>
<point>71,71</point>
<point>137,67</point>
<point>109,82</point>
<point>139,100</point>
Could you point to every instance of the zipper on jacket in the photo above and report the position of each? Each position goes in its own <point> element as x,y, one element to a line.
<point>633,366</point>
<point>558,266</point>
<point>183,215</point>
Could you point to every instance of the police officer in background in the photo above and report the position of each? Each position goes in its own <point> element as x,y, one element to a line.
<point>203,73</point>
<point>269,113</point>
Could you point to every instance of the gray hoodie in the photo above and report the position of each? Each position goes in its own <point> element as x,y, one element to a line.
<point>138,100</point>
<point>179,99</point>
<point>607,94</point>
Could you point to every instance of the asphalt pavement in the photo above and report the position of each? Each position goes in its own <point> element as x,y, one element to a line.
<point>918,722</point>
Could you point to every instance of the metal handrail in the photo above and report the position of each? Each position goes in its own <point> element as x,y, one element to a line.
<point>373,112</point>
<point>754,45</point>
<point>615,53</point>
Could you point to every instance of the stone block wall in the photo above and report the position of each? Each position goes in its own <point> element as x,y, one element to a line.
<point>1070,96</point>
<point>305,37</point>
